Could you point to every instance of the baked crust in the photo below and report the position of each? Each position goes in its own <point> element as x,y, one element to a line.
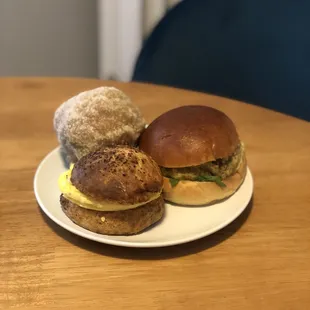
<point>120,174</point>
<point>189,136</point>
<point>126,222</point>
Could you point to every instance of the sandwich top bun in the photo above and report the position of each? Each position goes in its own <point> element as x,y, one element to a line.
<point>96,118</point>
<point>189,136</point>
<point>112,179</point>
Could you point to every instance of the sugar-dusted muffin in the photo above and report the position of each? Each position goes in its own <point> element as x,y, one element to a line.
<point>94,118</point>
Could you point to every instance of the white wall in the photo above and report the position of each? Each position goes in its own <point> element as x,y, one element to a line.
<point>48,37</point>
<point>120,37</point>
<point>122,25</point>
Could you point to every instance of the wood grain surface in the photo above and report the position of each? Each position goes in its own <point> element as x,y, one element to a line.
<point>260,261</point>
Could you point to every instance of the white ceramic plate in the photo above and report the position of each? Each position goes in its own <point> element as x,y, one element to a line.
<point>180,224</point>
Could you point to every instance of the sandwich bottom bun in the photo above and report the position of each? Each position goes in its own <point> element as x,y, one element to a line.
<point>128,222</point>
<point>193,193</point>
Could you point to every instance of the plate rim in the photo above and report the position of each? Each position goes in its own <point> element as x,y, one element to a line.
<point>131,244</point>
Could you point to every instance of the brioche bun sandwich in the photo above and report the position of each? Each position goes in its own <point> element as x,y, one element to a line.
<point>201,156</point>
<point>116,190</point>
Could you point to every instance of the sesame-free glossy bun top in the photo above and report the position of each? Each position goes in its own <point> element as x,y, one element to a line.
<point>189,136</point>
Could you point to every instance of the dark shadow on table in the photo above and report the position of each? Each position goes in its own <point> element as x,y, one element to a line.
<point>153,253</point>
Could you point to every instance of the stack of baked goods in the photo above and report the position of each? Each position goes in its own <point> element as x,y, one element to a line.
<point>121,171</point>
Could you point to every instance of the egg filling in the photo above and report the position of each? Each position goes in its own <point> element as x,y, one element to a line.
<point>71,193</point>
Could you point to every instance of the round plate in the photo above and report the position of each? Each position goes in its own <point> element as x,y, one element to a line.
<point>180,224</point>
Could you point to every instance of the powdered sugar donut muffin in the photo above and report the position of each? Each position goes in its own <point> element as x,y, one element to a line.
<point>95,118</point>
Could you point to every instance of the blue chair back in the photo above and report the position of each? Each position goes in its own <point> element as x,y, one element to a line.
<point>250,50</point>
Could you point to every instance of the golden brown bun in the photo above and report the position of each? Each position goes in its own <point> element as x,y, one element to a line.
<point>200,193</point>
<point>189,136</point>
<point>121,174</point>
<point>126,222</point>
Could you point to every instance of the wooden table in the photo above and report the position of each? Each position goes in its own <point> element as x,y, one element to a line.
<point>260,261</point>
